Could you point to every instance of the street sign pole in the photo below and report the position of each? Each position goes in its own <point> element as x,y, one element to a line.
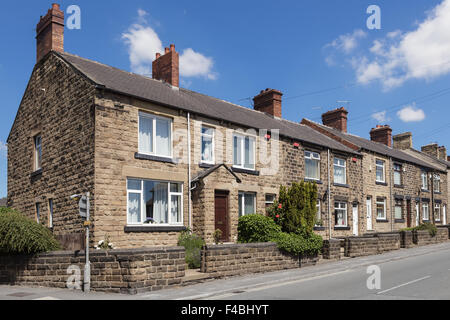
<point>87,268</point>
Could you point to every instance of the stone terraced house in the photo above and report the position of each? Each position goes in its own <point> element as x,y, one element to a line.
<point>158,159</point>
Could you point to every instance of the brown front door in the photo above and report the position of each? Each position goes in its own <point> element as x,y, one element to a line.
<point>408,213</point>
<point>221,213</point>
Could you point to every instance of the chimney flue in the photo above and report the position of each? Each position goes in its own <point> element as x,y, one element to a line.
<point>50,32</point>
<point>167,67</point>
<point>382,134</point>
<point>336,119</point>
<point>269,101</point>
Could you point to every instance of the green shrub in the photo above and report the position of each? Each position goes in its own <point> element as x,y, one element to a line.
<point>428,226</point>
<point>193,245</point>
<point>295,210</point>
<point>297,244</point>
<point>21,235</point>
<point>257,228</point>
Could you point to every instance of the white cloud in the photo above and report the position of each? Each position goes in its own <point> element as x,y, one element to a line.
<point>411,114</point>
<point>418,54</point>
<point>380,116</point>
<point>348,42</point>
<point>143,43</point>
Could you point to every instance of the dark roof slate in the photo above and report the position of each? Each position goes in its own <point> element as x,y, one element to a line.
<point>162,93</point>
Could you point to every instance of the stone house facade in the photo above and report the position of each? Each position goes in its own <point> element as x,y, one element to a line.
<point>158,159</point>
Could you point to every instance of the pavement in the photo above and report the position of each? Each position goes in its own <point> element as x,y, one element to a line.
<point>418,273</point>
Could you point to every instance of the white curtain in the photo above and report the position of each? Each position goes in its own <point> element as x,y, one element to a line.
<point>249,155</point>
<point>237,151</point>
<point>160,205</point>
<point>249,204</point>
<point>163,137</point>
<point>145,135</point>
<point>176,209</point>
<point>134,208</point>
<point>207,149</point>
<point>339,176</point>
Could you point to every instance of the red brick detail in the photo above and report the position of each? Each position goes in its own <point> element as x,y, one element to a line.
<point>382,134</point>
<point>336,119</point>
<point>50,32</point>
<point>167,67</point>
<point>269,101</point>
<point>329,134</point>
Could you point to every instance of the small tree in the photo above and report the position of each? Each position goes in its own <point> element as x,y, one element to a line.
<point>295,210</point>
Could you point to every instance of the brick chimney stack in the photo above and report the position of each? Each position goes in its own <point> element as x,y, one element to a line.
<point>269,101</point>
<point>431,149</point>
<point>167,67</point>
<point>50,32</point>
<point>403,141</point>
<point>382,134</point>
<point>336,119</point>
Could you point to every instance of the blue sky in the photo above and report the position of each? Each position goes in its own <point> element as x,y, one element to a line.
<point>316,52</point>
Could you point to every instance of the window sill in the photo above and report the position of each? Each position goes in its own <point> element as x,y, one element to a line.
<point>150,229</point>
<point>341,185</point>
<point>378,183</point>
<point>341,228</point>
<point>246,171</point>
<point>319,228</point>
<point>382,220</point>
<point>36,173</point>
<point>399,220</point>
<point>313,180</point>
<point>399,186</point>
<point>140,156</point>
<point>437,192</point>
<point>423,190</point>
<point>206,165</point>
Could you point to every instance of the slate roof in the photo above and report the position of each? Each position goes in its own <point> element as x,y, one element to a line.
<point>155,91</point>
<point>426,157</point>
<point>381,148</point>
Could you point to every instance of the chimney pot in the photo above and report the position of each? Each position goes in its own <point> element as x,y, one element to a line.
<point>336,119</point>
<point>269,101</point>
<point>167,67</point>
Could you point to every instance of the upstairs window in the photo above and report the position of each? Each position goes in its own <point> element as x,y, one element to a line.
<point>437,183</point>
<point>380,171</point>
<point>397,174</point>
<point>312,165</point>
<point>340,171</point>
<point>37,152</point>
<point>207,145</point>
<point>424,180</point>
<point>243,152</point>
<point>155,135</point>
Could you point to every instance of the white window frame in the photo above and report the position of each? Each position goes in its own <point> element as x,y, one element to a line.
<point>383,166</point>
<point>242,147</point>
<point>425,205</point>
<point>37,152</point>
<point>383,202</point>
<point>270,203</point>
<point>437,182</point>
<point>319,212</point>
<point>399,172</point>
<point>154,117</point>
<point>212,137</point>
<point>242,204</point>
<point>424,177</point>
<point>437,217</point>
<point>339,203</point>
<point>51,207</point>
<point>398,203</point>
<point>169,204</point>
<point>340,166</point>
<point>314,156</point>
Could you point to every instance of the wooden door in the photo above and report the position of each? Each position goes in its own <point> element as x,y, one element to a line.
<point>221,214</point>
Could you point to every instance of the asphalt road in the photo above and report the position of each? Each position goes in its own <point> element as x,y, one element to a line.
<point>418,273</point>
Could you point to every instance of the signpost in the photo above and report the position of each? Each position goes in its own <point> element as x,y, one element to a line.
<point>84,210</point>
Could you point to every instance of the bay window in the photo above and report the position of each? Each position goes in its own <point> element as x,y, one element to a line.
<point>340,174</point>
<point>340,210</point>
<point>381,209</point>
<point>154,202</point>
<point>155,135</point>
<point>207,145</point>
<point>247,203</point>
<point>312,165</point>
<point>380,171</point>
<point>243,152</point>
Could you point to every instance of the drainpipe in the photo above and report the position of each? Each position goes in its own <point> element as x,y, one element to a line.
<point>189,169</point>
<point>432,198</point>
<point>391,178</point>
<point>329,196</point>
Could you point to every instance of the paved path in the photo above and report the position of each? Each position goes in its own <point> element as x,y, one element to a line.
<point>418,273</point>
